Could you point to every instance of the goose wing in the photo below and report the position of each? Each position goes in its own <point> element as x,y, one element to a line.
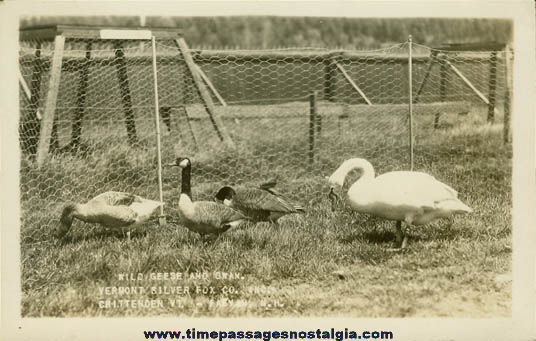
<point>215,214</point>
<point>262,199</point>
<point>268,185</point>
<point>114,198</point>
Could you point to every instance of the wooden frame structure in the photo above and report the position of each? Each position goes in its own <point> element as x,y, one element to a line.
<point>438,55</point>
<point>59,35</point>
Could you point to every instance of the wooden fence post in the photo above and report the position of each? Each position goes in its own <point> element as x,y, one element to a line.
<point>442,90</point>
<point>492,86</point>
<point>312,123</point>
<point>124,87</point>
<point>507,93</point>
<point>330,69</point>
<point>50,105</point>
<point>31,129</point>
<point>81,100</point>
<point>433,55</point>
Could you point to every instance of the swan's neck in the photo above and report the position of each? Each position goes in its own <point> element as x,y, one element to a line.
<point>367,171</point>
<point>185,181</point>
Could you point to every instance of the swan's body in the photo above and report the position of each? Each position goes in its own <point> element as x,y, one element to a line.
<point>413,197</point>
<point>261,203</point>
<point>203,217</point>
<point>116,210</point>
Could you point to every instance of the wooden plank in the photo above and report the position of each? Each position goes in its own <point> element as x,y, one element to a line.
<point>481,46</point>
<point>352,83</point>
<point>492,86</point>
<point>50,104</point>
<point>204,94</point>
<point>48,32</point>
<point>211,86</point>
<point>125,34</point>
<point>469,84</point>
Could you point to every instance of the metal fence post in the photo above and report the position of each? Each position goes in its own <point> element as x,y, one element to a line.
<point>162,218</point>
<point>410,90</point>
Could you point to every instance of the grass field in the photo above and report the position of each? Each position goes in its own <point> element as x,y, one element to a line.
<point>322,263</point>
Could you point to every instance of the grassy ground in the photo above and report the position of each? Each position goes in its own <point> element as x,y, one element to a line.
<point>322,263</point>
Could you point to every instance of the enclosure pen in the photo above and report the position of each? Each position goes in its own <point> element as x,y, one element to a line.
<point>116,104</point>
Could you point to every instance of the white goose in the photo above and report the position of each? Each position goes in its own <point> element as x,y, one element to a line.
<point>413,197</point>
<point>203,217</point>
<point>111,209</point>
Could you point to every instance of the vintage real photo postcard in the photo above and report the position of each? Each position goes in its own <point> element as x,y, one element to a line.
<point>173,160</point>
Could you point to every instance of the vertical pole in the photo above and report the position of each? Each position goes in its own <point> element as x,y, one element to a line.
<point>31,129</point>
<point>162,218</point>
<point>442,89</point>
<point>50,104</point>
<point>492,85</point>
<point>329,77</point>
<point>410,88</point>
<point>81,100</point>
<point>312,122</point>
<point>507,93</point>
<point>121,66</point>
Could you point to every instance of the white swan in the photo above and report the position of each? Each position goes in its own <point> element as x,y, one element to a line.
<point>413,197</point>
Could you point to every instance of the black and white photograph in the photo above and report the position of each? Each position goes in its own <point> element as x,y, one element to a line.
<point>289,165</point>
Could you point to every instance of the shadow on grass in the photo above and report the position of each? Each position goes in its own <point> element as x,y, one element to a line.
<point>99,234</point>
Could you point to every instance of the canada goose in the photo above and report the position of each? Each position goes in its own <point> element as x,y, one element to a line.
<point>413,197</point>
<point>203,217</point>
<point>109,209</point>
<point>260,204</point>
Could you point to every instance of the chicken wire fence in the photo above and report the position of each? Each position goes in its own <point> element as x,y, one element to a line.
<point>290,115</point>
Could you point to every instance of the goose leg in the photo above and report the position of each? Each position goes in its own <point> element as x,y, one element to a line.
<point>128,235</point>
<point>401,238</point>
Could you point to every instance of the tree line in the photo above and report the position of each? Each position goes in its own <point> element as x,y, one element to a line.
<point>250,32</point>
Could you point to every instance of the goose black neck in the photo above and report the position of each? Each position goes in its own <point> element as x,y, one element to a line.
<point>185,184</point>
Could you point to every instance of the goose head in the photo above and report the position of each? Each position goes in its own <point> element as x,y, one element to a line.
<point>225,195</point>
<point>66,220</point>
<point>182,162</point>
<point>67,215</point>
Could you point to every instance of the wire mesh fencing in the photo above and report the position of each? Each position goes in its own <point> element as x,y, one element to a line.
<point>461,108</point>
<point>292,115</point>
